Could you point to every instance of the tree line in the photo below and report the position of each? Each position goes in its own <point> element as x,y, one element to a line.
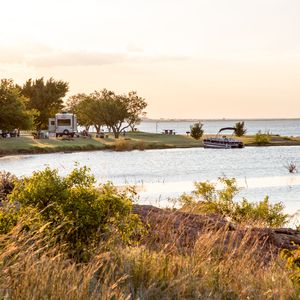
<point>29,106</point>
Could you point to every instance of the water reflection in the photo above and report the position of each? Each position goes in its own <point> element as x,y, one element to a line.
<point>164,174</point>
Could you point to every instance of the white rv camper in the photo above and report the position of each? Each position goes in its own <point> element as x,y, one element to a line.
<point>63,124</point>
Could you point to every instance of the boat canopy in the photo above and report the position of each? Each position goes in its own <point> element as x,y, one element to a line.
<point>226,128</point>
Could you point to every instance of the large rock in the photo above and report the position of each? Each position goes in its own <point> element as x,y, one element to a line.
<point>184,229</point>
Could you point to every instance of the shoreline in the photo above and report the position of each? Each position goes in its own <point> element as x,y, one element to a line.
<point>26,145</point>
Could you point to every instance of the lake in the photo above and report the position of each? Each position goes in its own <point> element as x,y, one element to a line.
<point>286,127</point>
<point>163,174</point>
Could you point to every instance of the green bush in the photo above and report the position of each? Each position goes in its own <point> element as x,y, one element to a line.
<point>197,131</point>
<point>262,138</point>
<point>206,198</point>
<point>85,214</point>
<point>292,259</point>
<point>239,129</point>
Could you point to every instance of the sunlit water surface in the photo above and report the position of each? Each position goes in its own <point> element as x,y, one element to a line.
<point>287,127</point>
<point>164,174</point>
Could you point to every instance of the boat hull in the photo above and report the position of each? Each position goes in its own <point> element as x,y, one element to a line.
<point>222,144</point>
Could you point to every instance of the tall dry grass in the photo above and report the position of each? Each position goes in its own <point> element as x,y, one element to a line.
<point>123,145</point>
<point>218,266</point>
<point>128,145</point>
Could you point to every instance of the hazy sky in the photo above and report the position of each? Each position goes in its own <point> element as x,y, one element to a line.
<point>189,59</point>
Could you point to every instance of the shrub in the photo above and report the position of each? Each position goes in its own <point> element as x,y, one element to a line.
<point>197,131</point>
<point>207,199</point>
<point>123,145</point>
<point>291,167</point>
<point>239,129</point>
<point>292,258</point>
<point>262,138</point>
<point>84,213</point>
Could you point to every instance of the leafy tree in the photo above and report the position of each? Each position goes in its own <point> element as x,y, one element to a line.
<point>45,97</point>
<point>13,112</point>
<point>135,106</point>
<point>81,105</point>
<point>118,112</point>
<point>197,131</point>
<point>239,129</point>
<point>105,107</point>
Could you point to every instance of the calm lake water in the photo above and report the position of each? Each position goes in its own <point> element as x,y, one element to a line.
<point>163,174</point>
<point>282,127</point>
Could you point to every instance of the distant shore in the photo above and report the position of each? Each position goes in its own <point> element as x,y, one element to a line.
<point>216,119</point>
<point>131,141</point>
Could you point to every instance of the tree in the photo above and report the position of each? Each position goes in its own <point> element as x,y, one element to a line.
<point>110,109</point>
<point>135,106</point>
<point>240,129</point>
<point>13,112</point>
<point>46,98</point>
<point>81,105</point>
<point>117,111</point>
<point>197,131</point>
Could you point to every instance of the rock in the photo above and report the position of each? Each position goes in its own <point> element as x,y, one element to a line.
<point>184,229</point>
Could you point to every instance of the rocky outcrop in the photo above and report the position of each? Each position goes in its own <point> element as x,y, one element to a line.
<point>184,229</point>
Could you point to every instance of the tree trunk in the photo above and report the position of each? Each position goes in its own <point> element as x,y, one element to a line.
<point>132,126</point>
<point>98,128</point>
<point>116,132</point>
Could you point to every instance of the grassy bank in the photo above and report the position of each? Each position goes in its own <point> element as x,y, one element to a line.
<point>135,140</point>
<point>26,144</point>
<point>36,271</point>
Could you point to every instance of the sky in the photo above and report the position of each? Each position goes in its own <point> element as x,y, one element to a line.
<point>188,59</point>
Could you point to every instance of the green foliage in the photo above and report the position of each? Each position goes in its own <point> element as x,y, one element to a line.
<point>81,105</point>
<point>262,138</point>
<point>118,111</point>
<point>107,108</point>
<point>240,129</point>
<point>45,97</point>
<point>206,198</point>
<point>292,258</point>
<point>135,106</point>
<point>13,112</point>
<point>85,214</point>
<point>262,212</point>
<point>197,131</point>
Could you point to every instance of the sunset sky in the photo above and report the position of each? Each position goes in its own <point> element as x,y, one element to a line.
<point>189,59</point>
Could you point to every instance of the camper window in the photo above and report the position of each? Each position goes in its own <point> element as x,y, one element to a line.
<point>52,123</point>
<point>64,122</point>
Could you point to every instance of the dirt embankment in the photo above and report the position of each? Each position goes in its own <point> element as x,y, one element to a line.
<point>184,229</point>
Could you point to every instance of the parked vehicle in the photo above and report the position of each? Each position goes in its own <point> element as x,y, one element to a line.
<point>222,142</point>
<point>63,124</point>
<point>8,134</point>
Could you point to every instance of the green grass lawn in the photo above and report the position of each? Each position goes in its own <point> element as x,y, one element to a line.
<point>26,144</point>
<point>132,140</point>
<point>155,140</point>
<point>135,140</point>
